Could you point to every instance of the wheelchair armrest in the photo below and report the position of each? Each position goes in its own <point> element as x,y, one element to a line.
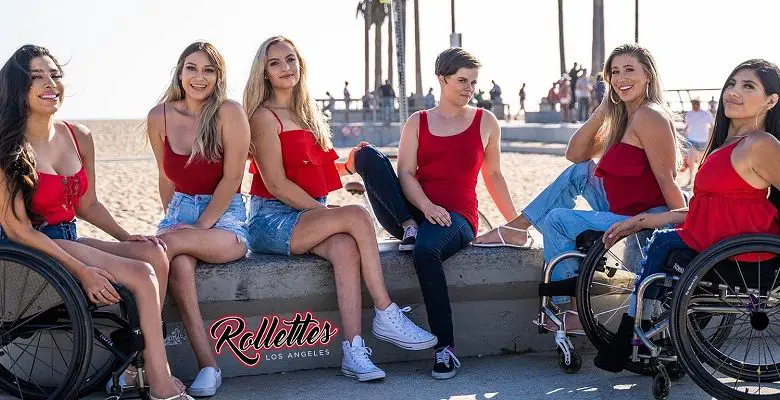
<point>678,260</point>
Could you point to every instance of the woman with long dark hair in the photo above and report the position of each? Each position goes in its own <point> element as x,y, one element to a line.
<point>47,176</point>
<point>735,191</point>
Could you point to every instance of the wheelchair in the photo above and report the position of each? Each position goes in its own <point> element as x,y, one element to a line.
<point>55,344</point>
<point>608,298</point>
<point>713,321</point>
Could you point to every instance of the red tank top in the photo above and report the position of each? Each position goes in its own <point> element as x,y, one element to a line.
<point>57,196</point>
<point>199,177</point>
<point>305,163</point>
<point>629,182</point>
<point>447,168</point>
<point>724,205</point>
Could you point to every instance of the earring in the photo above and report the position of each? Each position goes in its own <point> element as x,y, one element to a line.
<point>610,97</point>
<point>757,115</point>
<point>647,91</point>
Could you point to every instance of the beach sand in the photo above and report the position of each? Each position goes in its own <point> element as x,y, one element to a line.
<point>127,178</point>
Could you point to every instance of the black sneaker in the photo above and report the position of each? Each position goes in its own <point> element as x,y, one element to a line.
<point>410,238</point>
<point>446,364</point>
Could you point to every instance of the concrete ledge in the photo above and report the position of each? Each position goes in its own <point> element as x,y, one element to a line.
<point>493,294</point>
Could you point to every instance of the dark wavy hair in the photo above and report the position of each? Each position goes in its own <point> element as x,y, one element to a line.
<point>769,75</point>
<point>16,156</point>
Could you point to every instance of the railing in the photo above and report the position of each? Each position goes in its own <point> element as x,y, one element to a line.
<point>679,100</point>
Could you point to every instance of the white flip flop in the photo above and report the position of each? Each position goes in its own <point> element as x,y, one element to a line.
<point>527,245</point>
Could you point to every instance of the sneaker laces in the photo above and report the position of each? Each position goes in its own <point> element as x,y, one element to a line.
<point>410,231</point>
<point>444,355</point>
<point>405,324</point>
<point>360,355</point>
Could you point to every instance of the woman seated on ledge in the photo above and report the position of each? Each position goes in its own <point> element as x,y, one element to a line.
<point>741,167</point>
<point>294,170</point>
<point>432,204</point>
<point>634,136</point>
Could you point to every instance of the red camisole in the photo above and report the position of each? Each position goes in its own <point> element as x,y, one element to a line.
<point>447,168</point>
<point>724,205</point>
<point>305,164</point>
<point>57,196</point>
<point>629,182</point>
<point>199,177</point>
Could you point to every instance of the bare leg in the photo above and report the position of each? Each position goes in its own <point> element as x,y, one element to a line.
<point>184,292</point>
<point>144,251</point>
<point>209,245</point>
<point>315,226</point>
<point>139,277</point>
<point>693,165</point>
<point>341,250</point>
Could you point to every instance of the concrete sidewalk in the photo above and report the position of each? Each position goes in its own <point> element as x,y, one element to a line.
<point>529,376</point>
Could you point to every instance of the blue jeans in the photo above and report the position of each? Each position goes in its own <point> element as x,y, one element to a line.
<point>658,248</point>
<point>552,214</point>
<point>435,243</point>
<point>386,104</point>
<point>64,231</point>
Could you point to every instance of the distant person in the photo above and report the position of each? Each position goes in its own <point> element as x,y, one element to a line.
<point>698,124</point>
<point>574,73</point>
<point>431,204</point>
<point>347,98</point>
<point>430,100</point>
<point>553,96</point>
<point>368,104</point>
<point>713,106</point>
<point>599,89</point>
<point>565,99</point>
<point>522,98</point>
<point>495,93</point>
<point>331,105</point>
<point>386,100</point>
<point>294,168</point>
<point>582,93</point>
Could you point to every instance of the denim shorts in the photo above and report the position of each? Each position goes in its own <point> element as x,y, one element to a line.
<point>271,224</point>
<point>186,209</point>
<point>64,231</point>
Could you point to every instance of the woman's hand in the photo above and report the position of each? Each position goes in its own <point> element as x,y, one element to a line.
<point>350,164</point>
<point>623,229</point>
<point>97,284</point>
<point>144,238</point>
<point>437,215</point>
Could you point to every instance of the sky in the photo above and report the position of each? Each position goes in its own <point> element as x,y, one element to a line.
<point>119,55</point>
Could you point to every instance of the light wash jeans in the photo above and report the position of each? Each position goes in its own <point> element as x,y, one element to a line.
<point>552,214</point>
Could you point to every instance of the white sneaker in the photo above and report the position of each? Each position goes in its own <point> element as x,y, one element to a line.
<point>391,325</point>
<point>356,363</point>
<point>207,382</point>
<point>410,238</point>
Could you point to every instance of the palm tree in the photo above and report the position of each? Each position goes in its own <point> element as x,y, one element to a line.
<point>364,10</point>
<point>417,68</point>
<point>597,51</point>
<point>378,16</point>
<point>390,43</point>
<point>560,37</point>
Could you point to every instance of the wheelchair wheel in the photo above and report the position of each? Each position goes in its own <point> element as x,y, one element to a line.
<point>45,328</point>
<point>104,359</point>
<point>606,281</point>
<point>744,361</point>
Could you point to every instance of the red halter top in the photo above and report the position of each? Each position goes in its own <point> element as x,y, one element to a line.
<point>724,205</point>
<point>629,181</point>
<point>57,196</point>
<point>447,168</point>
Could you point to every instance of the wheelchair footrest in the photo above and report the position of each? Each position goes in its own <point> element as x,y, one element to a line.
<point>566,287</point>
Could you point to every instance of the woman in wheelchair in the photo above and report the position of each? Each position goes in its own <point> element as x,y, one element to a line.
<point>47,175</point>
<point>735,191</point>
<point>633,134</point>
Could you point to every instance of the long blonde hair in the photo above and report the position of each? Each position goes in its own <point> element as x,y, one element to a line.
<point>208,142</point>
<point>616,119</point>
<point>258,92</point>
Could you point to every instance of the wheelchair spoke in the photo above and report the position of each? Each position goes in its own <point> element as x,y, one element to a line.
<point>623,290</point>
<point>744,359</point>
<point>29,304</point>
<point>741,311</point>
<point>771,356</point>
<point>615,311</point>
<point>5,286</point>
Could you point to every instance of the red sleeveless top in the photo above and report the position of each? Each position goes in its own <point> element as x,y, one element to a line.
<point>724,205</point>
<point>447,168</point>
<point>629,183</point>
<point>57,196</point>
<point>305,163</point>
<point>200,177</point>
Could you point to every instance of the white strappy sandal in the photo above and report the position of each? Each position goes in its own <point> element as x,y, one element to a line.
<point>527,245</point>
<point>180,396</point>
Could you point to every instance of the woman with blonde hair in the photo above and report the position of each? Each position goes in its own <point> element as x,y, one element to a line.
<point>633,135</point>
<point>294,170</point>
<point>200,140</point>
